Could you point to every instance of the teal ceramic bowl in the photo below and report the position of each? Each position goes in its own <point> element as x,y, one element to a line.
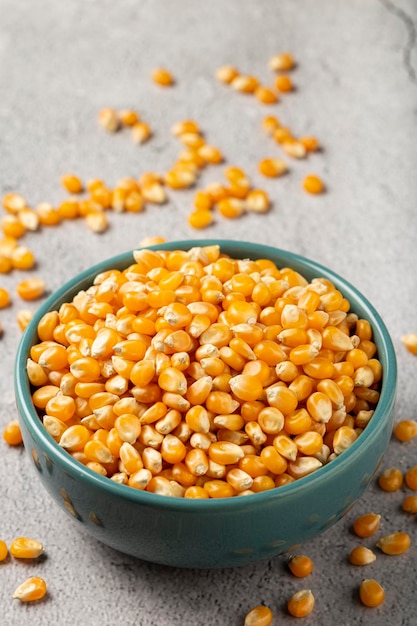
<point>209,533</point>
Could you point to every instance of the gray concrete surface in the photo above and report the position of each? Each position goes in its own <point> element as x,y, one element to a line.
<point>60,62</point>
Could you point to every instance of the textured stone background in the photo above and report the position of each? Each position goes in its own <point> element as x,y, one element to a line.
<point>60,62</point>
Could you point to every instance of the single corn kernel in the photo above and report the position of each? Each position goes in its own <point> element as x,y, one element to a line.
<point>272,167</point>
<point>410,342</point>
<point>265,95</point>
<point>4,298</point>
<point>301,603</point>
<point>128,117</point>
<point>366,525</point>
<point>200,218</point>
<point>405,430</point>
<point>34,588</point>
<point>283,83</point>
<point>245,84</point>
<point>151,240</point>
<point>141,132</point>
<point>31,288</point>
<point>12,434</point>
<point>294,149</point>
<point>371,593</point>
<point>310,143</point>
<point>226,73</point>
<point>162,77</point>
<point>108,119</point>
<point>283,61</point>
<point>361,556</point>
<point>411,478</point>
<point>394,544</point>
<point>313,184</point>
<point>300,565</point>
<point>13,202</point>
<point>390,479</point>
<point>72,183</point>
<point>258,201</point>
<point>23,317</point>
<point>259,616</point>
<point>409,504</point>
<point>26,548</point>
<point>4,552</point>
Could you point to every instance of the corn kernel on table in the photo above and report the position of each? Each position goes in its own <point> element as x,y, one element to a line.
<point>355,88</point>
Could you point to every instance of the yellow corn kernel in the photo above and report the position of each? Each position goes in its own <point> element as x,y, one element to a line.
<point>366,525</point>
<point>74,438</point>
<point>34,588</point>
<point>128,117</point>
<point>300,565</point>
<point>259,616</point>
<point>23,317</point>
<point>22,258</point>
<point>72,183</point>
<point>13,202</point>
<point>371,593</point>
<point>244,84</point>
<point>12,434</point>
<point>97,221</point>
<point>4,552</point>
<point>310,143</point>
<point>283,83</point>
<point>361,556</point>
<point>313,184</point>
<point>411,478</point>
<point>272,167</point>
<point>409,504</point>
<point>4,298</point>
<point>410,342</point>
<point>12,226</point>
<point>154,192</point>
<point>257,201</point>
<point>31,288</point>
<point>294,149</point>
<point>301,603</point>
<point>48,215</point>
<point>266,95</point>
<point>141,132</point>
<point>390,479</point>
<point>108,119</point>
<point>219,489</point>
<point>162,77</point>
<point>26,548</point>
<point>226,74</point>
<point>282,61</point>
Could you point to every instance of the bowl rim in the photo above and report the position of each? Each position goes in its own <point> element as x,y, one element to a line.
<point>237,249</point>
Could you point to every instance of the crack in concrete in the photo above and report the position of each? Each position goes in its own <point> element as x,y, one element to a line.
<point>411,40</point>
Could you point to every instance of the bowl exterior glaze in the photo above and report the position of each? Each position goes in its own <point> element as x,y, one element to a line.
<point>209,533</point>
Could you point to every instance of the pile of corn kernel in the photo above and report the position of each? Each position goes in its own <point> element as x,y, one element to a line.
<point>197,375</point>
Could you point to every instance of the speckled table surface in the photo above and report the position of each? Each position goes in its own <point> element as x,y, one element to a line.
<point>356,91</point>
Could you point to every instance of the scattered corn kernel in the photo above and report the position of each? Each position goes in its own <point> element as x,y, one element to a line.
<point>128,117</point>
<point>12,433</point>
<point>226,73</point>
<point>409,504</point>
<point>410,342</point>
<point>272,167</point>
<point>34,588</point>
<point>313,184</point>
<point>4,298</point>
<point>162,77</point>
<point>300,565</point>
<point>200,218</point>
<point>141,132</point>
<point>265,95</point>
<point>72,183</point>
<point>108,119</point>
<point>301,603</point>
<point>366,525</point>
<point>283,83</point>
<point>31,288</point>
<point>4,552</point>
<point>405,430</point>
<point>245,84</point>
<point>259,616</point>
<point>394,544</point>
<point>283,61</point>
<point>411,478</point>
<point>361,556</point>
<point>371,593</point>
<point>23,317</point>
<point>26,548</point>
<point>390,479</point>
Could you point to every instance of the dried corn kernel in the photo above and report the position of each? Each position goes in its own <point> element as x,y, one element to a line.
<point>108,119</point>
<point>162,77</point>
<point>411,478</point>
<point>259,616</point>
<point>34,588</point>
<point>31,288</point>
<point>366,525</point>
<point>282,61</point>
<point>405,430</point>
<point>72,183</point>
<point>4,552</point>
<point>390,479</point>
<point>301,603</point>
<point>272,167</point>
<point>26,548</point>
<point>410,342</point>
<point>394,544</point>
<point>371,593</point>
<point>300,565</point>
<point>361,556</point>
<point>226,73</point>
<point>313,184</point>
<point>4,298</point>
<point>12,433</point>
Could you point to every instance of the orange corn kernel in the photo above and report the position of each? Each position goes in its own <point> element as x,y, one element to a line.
<point>162,77</point>
<point>226,73</point>
<point>411,478</point>
<point>310,143</point>
<point>109,119</point>
<point>313,184</point>
<point>283,83</point>
<point>272,167</point>
<point>34,588</point>
<point>265,95</point>
<point>72,183</point>
<point>405,430</point>
<point>141,132</point>
<point>390,479</point>
<point>366,525</point>
<point>4,298</point>
<point>244,84</point>
<point>301,603</point>
<point>394,544</point>
<point>371,593</point>
<point>26,548</point>
<point>282,61</point>
<point>31,288</point>
<point>410,342</point>
<point>259,616</point>
<point>12,434</point>
<point>300,565</point>
<point>361,556</point>
<point>128,117</point>
<point>13,202</point>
